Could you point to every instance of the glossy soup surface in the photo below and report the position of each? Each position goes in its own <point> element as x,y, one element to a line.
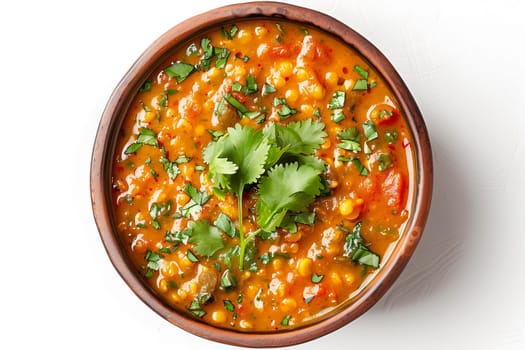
<point>297,131</point>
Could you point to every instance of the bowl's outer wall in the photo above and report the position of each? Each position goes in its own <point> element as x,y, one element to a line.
<point>113,116</point>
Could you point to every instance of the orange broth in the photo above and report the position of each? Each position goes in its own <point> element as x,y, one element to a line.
<point>166,197</point>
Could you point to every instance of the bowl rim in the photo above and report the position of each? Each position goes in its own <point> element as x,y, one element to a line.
<point>149,61</point>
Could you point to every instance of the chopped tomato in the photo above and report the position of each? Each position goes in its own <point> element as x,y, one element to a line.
<point>394,189</point>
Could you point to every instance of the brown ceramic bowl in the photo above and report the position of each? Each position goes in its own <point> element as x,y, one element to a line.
<point>116,109</point>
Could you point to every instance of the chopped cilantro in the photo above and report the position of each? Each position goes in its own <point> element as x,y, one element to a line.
<point>385,161</point>
<point>384,112</point>
<point>222,57</point>
<point>369,129</point>
<point>268,89</point>
<point>146,86</point>
<point>192,50</point>
<point>360,167</point>
<point>215,134</point>
<point>191,256</point>
<point>180,71</point>
<point>361,72</point>
<point>391,136</point>
<point>146,137</point>
<point>337,115</point>
<point>317,278</point>
<point>231,33</point>
<point>337,101</point>
<point>241,109</point>
<point>356,248</point>
<point>228,305</point>
<point>224,223</point>
<point>286,320</point>
<point>227,280</point>
<point>360,85</point>
<point>197,200</point>
<point>349,145</point>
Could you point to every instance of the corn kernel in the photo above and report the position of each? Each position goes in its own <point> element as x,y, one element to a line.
<point>307,109</point>
<point>333,184</point>
<point>277,264</point>
<point>186,262</point>
<point>182,294</point>
<point>285,68</point>
<point>181,199</point>
<point>229,68</point>
<point>305,267</point>
<point>163,286</point>
<point>260,32</point>
<point>175,297</point>
<point>291,95</point>
<point>187,171</point>
<point>244,36</point>
<point>293,237</point>
<point>262,50</point>
<point>149,116</point>
<point>294,248</point>
<point>301,74</point>
<point>331,79</point>
<point>245,324</point>
<point>346,207</point>
<point>281,290</point>
<point>170,112</point>
<point>218,316</point>
<point>317,92</point>
<point>349,278</point>
<point>169,269</point>
<point>335,279</point>
<point>277,81</point>
<point>200,130</point>
<point>213,73</point>
<point>348,84</point>
<point>238,73</point>
<point>288,304</point>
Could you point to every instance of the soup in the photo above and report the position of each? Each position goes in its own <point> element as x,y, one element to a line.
<point>261,176</point>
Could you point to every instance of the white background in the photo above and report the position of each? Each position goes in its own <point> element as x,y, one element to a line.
<point>464,63</point>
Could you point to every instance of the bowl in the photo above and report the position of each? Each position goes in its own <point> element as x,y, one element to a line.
<point>112,119</point>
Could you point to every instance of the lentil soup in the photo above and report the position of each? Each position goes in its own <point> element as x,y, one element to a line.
<point>261,176</point>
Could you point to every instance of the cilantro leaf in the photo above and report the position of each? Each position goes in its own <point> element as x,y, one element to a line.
<point>244,148</point>
<point>197,200</point>
<point>360,85</point>
<point>361,71</point>
<point>370,131</point>
<point>146,137</point>
<point>356,249</point>
<point>338,100</point>
<point>294,139</point>
<point>224,223</point>
<point>290,187</point>
<point>179,70</point>
<point>207,239</point>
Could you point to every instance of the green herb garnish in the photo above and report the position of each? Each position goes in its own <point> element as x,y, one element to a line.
<point>356,248</point>
<point>338,100</point>
<point>180,71</point>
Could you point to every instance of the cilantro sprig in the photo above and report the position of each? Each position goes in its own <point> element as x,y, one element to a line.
<point>279,159</point>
